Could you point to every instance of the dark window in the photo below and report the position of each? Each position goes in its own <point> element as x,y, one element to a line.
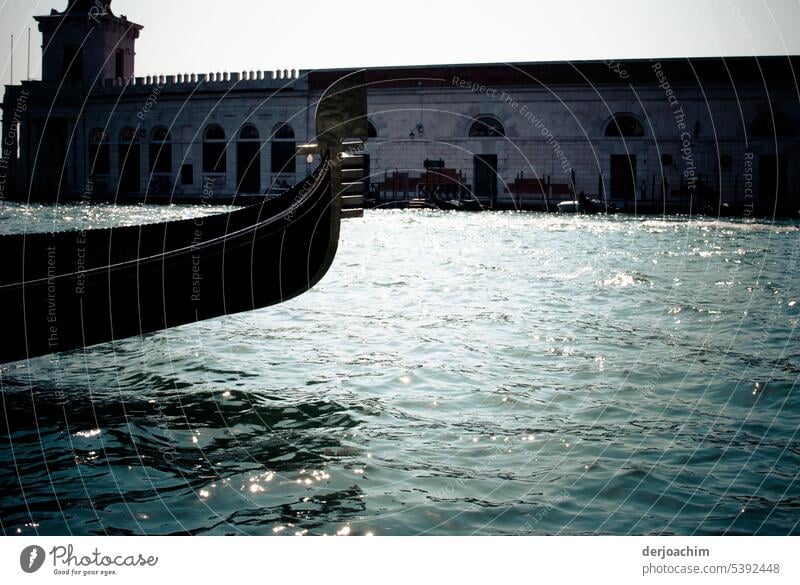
<point>284,132</point>
<point>283,150</point>
<point>624,126</point>
<point>161,134</point>
<point>215,154</point>
<point>161,151</point>
<point>773,125</point>
<point>215,133</point>
<point>129,135</point>
<point>486,127</point>
<point>187,175</point>
<point>215,158</point>
<point>52,144</point>
<point>129,161</point>
<point>371,131</point>
<point>72,68</point>
<point>99,153</point>
<point>249,132</point>
<point>283,157</point>
<point>248,160</point>
<point>120,64</point>
<point>623,176</point>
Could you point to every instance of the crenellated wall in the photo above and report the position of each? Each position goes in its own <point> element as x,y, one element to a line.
<point>222,80</point>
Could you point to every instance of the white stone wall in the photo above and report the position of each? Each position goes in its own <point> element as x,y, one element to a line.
<point>576,119</point>
<point>539,122</point>
<point>187,111</point>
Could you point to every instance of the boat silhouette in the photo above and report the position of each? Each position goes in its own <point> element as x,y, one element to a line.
<point>70,290</point>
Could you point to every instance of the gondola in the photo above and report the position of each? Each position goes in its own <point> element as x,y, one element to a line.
<point>71,290</point>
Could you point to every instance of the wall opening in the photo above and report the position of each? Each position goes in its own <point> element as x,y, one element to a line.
<point>215,152</point>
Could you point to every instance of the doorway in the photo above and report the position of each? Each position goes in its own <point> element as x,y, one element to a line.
<point>50,175</point>
<point>248,167</point>
<point>486,177</point>
<point>772,197</point>
<point>623,177</point>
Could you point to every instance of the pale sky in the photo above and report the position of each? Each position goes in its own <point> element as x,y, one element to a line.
<point>201,36</point>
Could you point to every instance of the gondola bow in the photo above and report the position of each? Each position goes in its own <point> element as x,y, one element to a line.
<point>69,290</point>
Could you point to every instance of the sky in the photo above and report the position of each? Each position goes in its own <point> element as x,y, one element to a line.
<point>201,36</point>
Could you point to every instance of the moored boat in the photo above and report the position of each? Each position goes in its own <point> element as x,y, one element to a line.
<point>582,204</point>
<point>456,204</point>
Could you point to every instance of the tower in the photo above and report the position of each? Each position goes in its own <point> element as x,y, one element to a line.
<point>87,43</point>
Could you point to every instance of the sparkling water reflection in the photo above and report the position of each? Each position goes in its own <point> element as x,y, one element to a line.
<point>454,374</point>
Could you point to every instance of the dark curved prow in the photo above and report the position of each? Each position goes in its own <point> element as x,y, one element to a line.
<point>342,130</point>
<point>70,290</point>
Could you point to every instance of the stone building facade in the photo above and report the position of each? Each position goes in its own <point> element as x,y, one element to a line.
<point>713,135</point>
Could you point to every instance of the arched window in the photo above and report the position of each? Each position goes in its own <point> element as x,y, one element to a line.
<point>372,132</point>
<point>99,152</point>
<point>284,132</point>
<point>486,127</point>
<point>98,136</point>
<point>160,151</point>
<point>129,136</point>
<point>283,150</point>
<point>161,134</point>
<point>624,126</point>
<point>215,159</point>
<point>215,132</point>
<point>248,132</point>
<point>773,125</point>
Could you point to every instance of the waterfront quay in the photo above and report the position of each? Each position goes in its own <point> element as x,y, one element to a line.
<point>706,135</point>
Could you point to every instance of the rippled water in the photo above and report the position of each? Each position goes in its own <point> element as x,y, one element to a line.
<point>453,374</point>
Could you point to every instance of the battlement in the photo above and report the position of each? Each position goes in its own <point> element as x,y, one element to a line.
<point>281,78</point>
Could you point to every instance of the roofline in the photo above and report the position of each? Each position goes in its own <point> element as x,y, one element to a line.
<point>640,60</point>
<point>114,17</point>
<point>771,69</point>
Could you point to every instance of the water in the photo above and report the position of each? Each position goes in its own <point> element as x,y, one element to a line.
<point>453,374</point>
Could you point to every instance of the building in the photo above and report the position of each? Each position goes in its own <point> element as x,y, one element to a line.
<point>647,135</point>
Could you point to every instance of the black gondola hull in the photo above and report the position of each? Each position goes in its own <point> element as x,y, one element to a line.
<point>66,291</point>
<point>76,289</point>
